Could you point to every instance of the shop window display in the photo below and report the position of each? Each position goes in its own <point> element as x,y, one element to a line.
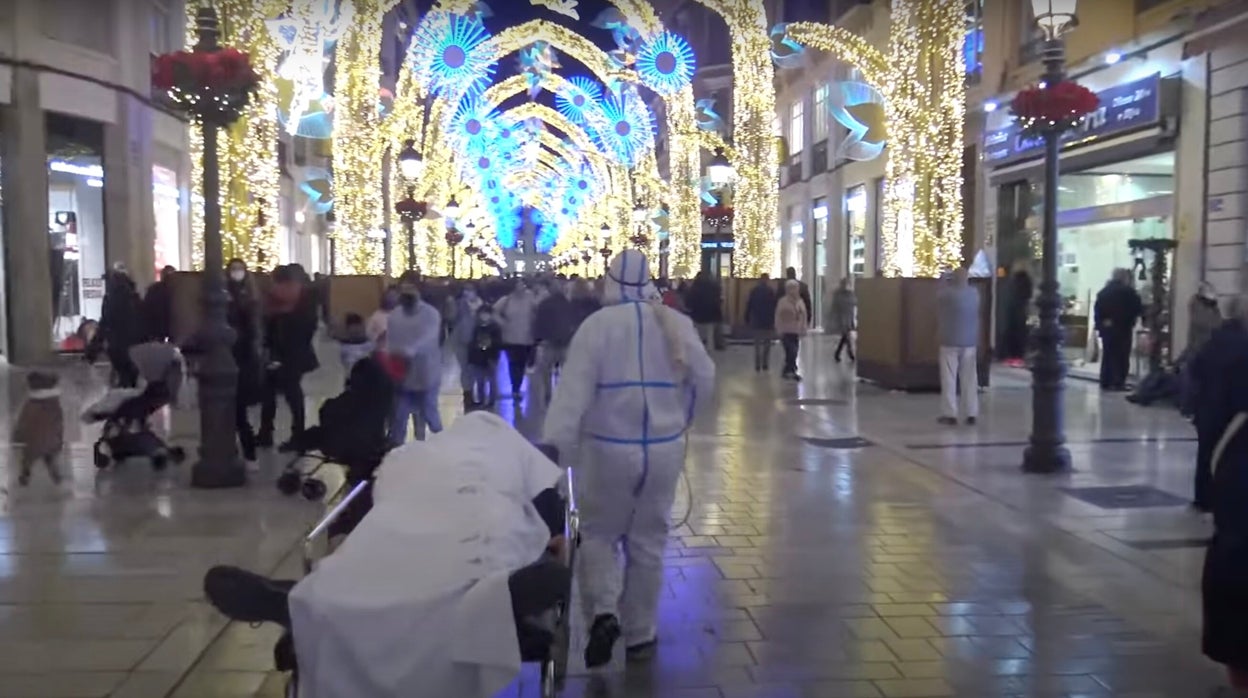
<point>166,202</point>
<point>76,238</point>
<point>1099,211</point>
<point>856,231</point>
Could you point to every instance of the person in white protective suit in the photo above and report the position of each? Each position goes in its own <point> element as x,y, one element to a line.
<point>634,372</point>
<point>416,600</point>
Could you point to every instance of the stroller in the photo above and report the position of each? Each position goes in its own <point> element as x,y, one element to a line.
<point>126,413</point>
<point>351,432</point>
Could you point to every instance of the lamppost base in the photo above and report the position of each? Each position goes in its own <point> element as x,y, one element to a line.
<point>1046,459</point>
<point>215,476</point>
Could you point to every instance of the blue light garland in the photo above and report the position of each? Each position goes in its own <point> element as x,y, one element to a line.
<point>665,63</point>
<point>627,128</point>
<point>575,96</point>
<point>445,52</point>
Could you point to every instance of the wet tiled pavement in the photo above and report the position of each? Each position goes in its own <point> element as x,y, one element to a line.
<point>840,543</point>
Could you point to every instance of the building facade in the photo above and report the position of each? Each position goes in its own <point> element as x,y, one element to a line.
<point>1152,162</point>
<point>94,172</point>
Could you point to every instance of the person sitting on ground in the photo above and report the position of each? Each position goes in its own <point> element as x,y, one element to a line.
<point>450,548</point>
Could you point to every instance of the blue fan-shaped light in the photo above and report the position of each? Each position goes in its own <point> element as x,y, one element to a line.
<point>446,52</point>
<point>576,95</point>
<point>851,103</point>
<point>316,185</point>
<point>473,124</point>
<point>665,63</point>
<point>627,128</point>
<point>316,123</point>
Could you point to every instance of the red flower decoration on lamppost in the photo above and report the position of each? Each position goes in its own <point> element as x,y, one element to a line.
<point>410,209</point>
<point>1053,108</point>
<point>211,86</point>
<point>717,215</point>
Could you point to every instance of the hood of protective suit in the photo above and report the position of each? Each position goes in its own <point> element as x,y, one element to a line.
<point>628,279</point>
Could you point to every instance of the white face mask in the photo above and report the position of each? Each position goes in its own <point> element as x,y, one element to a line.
<point>237,275</point>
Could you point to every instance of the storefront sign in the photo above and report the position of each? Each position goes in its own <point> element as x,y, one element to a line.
<point>1123,108</point>
<point>92,288</point>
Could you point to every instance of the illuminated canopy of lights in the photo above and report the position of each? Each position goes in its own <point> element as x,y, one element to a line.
<point>665,63</point>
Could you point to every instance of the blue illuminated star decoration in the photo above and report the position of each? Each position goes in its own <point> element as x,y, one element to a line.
<point>665,63</point>
<point>446,51</point>
<point>706,117</point>
<point>575,96</point>
<point>627,129</point>
<point>317,185</point>
<point>785,52</point>
<point>860,108</point>
<point>473,124</point>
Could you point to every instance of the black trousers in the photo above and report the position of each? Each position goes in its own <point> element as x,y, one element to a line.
<point>518,357</point>
<point>290,385</point>
<point>1207,436</point>
<point>246,436</point>
<point>789,342</point>
<point>845,343</point>
<point>127,372</point>
<point>1116,359</point>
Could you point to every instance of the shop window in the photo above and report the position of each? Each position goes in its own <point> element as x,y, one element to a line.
<point>167,29</point>
<point>76,235</point>
<point>819,211</point>
<point>797,116</point>
<point>973,48</point>
<point>856,230</point>
<point>167,206</point>
<point>89,25</point>
<point>819,118</point>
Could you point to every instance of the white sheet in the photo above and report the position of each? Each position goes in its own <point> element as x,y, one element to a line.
<point>415,601</point>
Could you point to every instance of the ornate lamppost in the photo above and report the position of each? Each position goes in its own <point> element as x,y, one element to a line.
<point>213,85</point>
<point>1050,109</point>
<point>453,238</point>
<point>587,251</point>
<point>410,211</point>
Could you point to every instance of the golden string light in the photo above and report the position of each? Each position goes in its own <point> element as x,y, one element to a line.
<point>756,198</point>
<point>247,155</point>
<point>357,149</point>
<point>922,81</point>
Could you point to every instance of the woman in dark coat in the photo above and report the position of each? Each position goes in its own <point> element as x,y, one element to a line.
<point>289,328</point>
<point>243,314</point>
<point>1223,434</point>
<point>121,327</point>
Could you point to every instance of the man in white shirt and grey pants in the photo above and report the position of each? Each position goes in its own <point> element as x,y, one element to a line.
<point>958,306</point>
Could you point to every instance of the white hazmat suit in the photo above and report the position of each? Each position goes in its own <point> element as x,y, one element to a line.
<point>627,392</point>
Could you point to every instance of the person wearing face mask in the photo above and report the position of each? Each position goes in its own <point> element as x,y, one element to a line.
<point>290,326</point>
<point>243,314</point>
<point>412,335</point>
<point>463,323</point>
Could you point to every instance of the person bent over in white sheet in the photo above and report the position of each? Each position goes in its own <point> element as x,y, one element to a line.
<point>633,375</point>
<point>416,601</point>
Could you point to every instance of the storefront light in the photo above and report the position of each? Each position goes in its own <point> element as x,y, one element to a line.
<point>990,106</point>
<point>95,183</point>
<point>1112,58</point>
<point>821,212</point>
<point>95,171</point>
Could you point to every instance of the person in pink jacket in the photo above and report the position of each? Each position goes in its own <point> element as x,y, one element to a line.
<point>791,323</point>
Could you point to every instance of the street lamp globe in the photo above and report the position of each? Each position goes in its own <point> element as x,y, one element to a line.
<point>640,213</point>
<point>452,209</point>
<point>1054,16</point>
<point>720,170</point>
<point>410,162</point>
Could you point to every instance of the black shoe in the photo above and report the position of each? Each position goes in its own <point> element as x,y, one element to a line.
<point>948,421</point>
<point>642,652</point>
<point>602,637</point>
<point>796,378</point>
<point>248,597</point>
<point>264,440</point>
<point>971,421</point>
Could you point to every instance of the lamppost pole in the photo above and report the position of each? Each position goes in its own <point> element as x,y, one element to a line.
<point>219,465</point>
<point>1047,452</point>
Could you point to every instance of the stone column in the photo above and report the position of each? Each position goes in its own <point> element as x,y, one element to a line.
<point>25,183</point>
<point>129,217</point>
<point>1227,170</point>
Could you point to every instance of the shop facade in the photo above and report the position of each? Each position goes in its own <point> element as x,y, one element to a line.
<point>1127,174</point>
<point>94,174</point>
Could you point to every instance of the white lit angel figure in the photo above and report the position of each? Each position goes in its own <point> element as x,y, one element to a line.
<point>305,33</point>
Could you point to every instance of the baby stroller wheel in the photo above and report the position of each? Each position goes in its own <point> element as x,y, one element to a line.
<point>177,454</point>
<point>314,490</point>
<point>288,483</point>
